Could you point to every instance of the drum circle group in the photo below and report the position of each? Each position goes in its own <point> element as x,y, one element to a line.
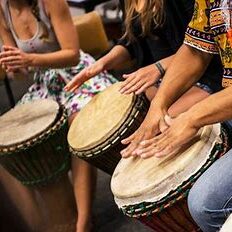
<point>153,192</point>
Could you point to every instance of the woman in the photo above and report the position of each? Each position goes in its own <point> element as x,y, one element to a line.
<point>40,35</point>
<point>154,30</point>
<point>209,200</point>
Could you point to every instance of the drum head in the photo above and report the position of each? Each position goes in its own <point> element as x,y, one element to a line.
<point>100,118</point>
<point>138,180</point>
<point>27,121</point>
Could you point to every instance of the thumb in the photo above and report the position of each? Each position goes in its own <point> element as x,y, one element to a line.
<point>163,125</point>
<point>168,120</point>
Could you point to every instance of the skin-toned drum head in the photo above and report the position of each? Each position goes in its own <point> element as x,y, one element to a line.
<point>100,118</point>
<point>137,180</point>
<point>26,121</point>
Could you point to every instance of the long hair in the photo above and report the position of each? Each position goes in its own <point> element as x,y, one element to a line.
<point>150,14</point>
<point>35,11</point>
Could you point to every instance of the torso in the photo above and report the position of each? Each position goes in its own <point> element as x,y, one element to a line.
<point>27,31</point>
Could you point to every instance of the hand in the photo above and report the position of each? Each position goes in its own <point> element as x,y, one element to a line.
<point>179,133</point>
<point>13,59</point>
<point>84,75</point>
<point>140,80</point>
<point>151,126</point>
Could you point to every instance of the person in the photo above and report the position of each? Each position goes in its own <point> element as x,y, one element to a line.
<point>209,33</point>
<point>40,35</point>
<point>154,30</point>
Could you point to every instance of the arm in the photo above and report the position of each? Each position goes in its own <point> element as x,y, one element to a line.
<point>186,68</point>
<point>111,60</point>
<point>62,24</point>
<point>145,77</point>
<point>66,34</point>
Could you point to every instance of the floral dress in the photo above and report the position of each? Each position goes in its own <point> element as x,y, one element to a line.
<point>210,30</point>
<point>49,83</point>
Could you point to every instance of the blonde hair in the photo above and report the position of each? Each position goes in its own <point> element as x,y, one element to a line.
<point>152,11</point>
<point>35,11</point>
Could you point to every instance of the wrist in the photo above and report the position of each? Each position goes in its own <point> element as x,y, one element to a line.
<point>31,60</point>
<point>160,68</point>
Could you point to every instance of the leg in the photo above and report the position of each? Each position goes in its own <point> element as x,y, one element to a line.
<point>84,182</point>
<point>210,199</point>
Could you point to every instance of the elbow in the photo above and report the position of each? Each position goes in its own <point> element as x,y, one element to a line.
<point>74,57</point>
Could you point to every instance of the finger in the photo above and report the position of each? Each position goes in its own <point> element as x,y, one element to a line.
<point>9,48</point>
<point>170,151</point>
<point>125,76</point>
<point>75,81</point>
<point>9,53</point>
<point>142,88</point>
<point>129,150</point>
<point>128,139</point>
<point>15,62</point>
<point>148,154</point>
<point>168,120</point>
<point>141,151</point>
<point>128,83</point>
<point>163,126</point>
<point>134,88</point>
<point>148,142</point>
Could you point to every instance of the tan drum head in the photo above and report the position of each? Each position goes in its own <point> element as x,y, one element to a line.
<point>100,118</point>
<point>26,121</point>
<point>138,180</point>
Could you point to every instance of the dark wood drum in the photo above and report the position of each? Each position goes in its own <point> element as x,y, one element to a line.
<point>96,133</point>
<point>34,150</point>
<point>154,190</point>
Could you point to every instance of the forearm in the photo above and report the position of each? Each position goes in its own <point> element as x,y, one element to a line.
<point>166,62</point>
<point>186,68</point>
<point>215,108</point>
<point>118,55</point>
<point>59,59</point>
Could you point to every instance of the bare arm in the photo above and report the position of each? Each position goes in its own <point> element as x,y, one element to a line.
<point>111,60</point>
<point>187,67</point>
<point>66,34</point>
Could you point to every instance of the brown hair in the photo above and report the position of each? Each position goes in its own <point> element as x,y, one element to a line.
<point>36,13</point>
<point>152,11</point>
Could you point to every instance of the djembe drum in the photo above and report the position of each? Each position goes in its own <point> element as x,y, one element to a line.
<point>154,190</point>
<point>34,150</point>
<point>96,133</point>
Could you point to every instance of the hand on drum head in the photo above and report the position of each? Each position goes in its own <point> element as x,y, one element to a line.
<point>84,75</point>
<point>175,138</point>
<point>150,127</point>
<point>137,82</point>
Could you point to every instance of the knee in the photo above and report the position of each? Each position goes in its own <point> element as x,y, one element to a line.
<point>198,203</point>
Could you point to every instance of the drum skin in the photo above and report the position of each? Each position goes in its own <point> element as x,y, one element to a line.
<point>96,133</point>
<point>154,190</point>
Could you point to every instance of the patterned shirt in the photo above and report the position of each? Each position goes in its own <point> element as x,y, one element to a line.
<point>210,30</point>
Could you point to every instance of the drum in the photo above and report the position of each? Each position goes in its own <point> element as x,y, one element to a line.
<point>154,190</point>
<point>33,144</point>
<point>96,133</point>
<point>34,150</point>
<point>227,225</point>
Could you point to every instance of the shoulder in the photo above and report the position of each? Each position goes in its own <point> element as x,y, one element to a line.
<point>55,5</point>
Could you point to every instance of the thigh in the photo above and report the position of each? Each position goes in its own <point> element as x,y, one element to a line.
<point>213,190</point>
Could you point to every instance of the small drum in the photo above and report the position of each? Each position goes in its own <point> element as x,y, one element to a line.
<point>96,133</point>
<point>33,144</point>
<point>34,150</point>
<point>154,190</point>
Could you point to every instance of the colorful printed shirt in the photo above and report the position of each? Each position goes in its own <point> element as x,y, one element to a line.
<point>210,30</point>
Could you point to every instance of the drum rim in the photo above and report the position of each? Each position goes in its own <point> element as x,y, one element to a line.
<point>138,102</point>
<point>181,192</point>
<point>59,122</point>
